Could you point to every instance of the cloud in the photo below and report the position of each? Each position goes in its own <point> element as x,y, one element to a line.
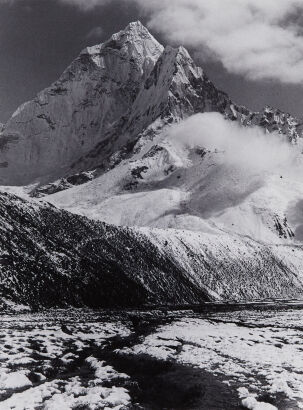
<point>95,33</point>
<point>86,4</point>
<point>246,148</point>
<point>82,4</point>
<point>259,39</point>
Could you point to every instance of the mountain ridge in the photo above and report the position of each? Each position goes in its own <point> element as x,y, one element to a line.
<point>50,258</point>
<point>92,111</point>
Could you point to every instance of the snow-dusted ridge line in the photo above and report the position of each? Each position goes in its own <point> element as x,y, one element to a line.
<point>50,257</point>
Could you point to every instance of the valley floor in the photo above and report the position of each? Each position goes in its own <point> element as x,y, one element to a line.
<point>213,357</point>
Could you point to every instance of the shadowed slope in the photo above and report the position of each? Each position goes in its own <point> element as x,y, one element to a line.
<point>50,257</point>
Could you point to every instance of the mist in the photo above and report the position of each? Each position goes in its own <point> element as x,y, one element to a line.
<point>244,147</point>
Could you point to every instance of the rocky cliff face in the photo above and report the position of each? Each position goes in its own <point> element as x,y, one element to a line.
<point>49,257</point>
<point>272,120</point>
<point>111,94</point>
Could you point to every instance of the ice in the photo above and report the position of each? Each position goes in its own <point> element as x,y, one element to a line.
<point>104,372</point>
<point>264,359</point>
<point>91,397</point>
<point>280,385</point>
<point>255,354</point>
<point>14,380</point>
<point>252,404</point>
<point>250,401</point>
<point>34,344</point>
<point>31,398</point>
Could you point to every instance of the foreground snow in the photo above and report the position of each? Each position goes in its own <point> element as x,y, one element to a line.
<point>258,351</point>
<point>54,361</point>
<point>33,349</point>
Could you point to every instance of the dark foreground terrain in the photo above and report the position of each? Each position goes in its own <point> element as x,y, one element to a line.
<point>212,357</point>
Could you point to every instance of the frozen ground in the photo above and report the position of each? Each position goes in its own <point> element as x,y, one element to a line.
<point>43,364</point>
<point>214,357</point>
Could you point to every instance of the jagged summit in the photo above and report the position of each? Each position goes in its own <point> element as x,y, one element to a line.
<point>135,41</point>
<point>134,29</point>
<point>274,119</point>
<point>135,26</point>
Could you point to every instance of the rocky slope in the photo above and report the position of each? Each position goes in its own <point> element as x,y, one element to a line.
<point>50,257</point>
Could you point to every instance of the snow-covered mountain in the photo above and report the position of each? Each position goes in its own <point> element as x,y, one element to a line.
<point>98,109</point>
<point>68,119</point>
<point>135,134</point>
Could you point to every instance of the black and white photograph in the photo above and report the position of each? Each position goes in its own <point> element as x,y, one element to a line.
<point>151,204</point>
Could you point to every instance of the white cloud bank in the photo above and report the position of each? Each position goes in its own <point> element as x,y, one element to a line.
<point>254,38</point>
<point>82,4</point>
<point>243,147</point>
<point>95,33</point>
<point>86,4</point>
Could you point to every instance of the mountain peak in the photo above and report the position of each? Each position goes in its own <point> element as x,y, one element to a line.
<point>134,38</point>
<point>135,26</point>
<point>134,30</point>
<point>135,41</point>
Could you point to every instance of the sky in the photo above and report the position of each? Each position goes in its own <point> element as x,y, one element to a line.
<point>252,49</point>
